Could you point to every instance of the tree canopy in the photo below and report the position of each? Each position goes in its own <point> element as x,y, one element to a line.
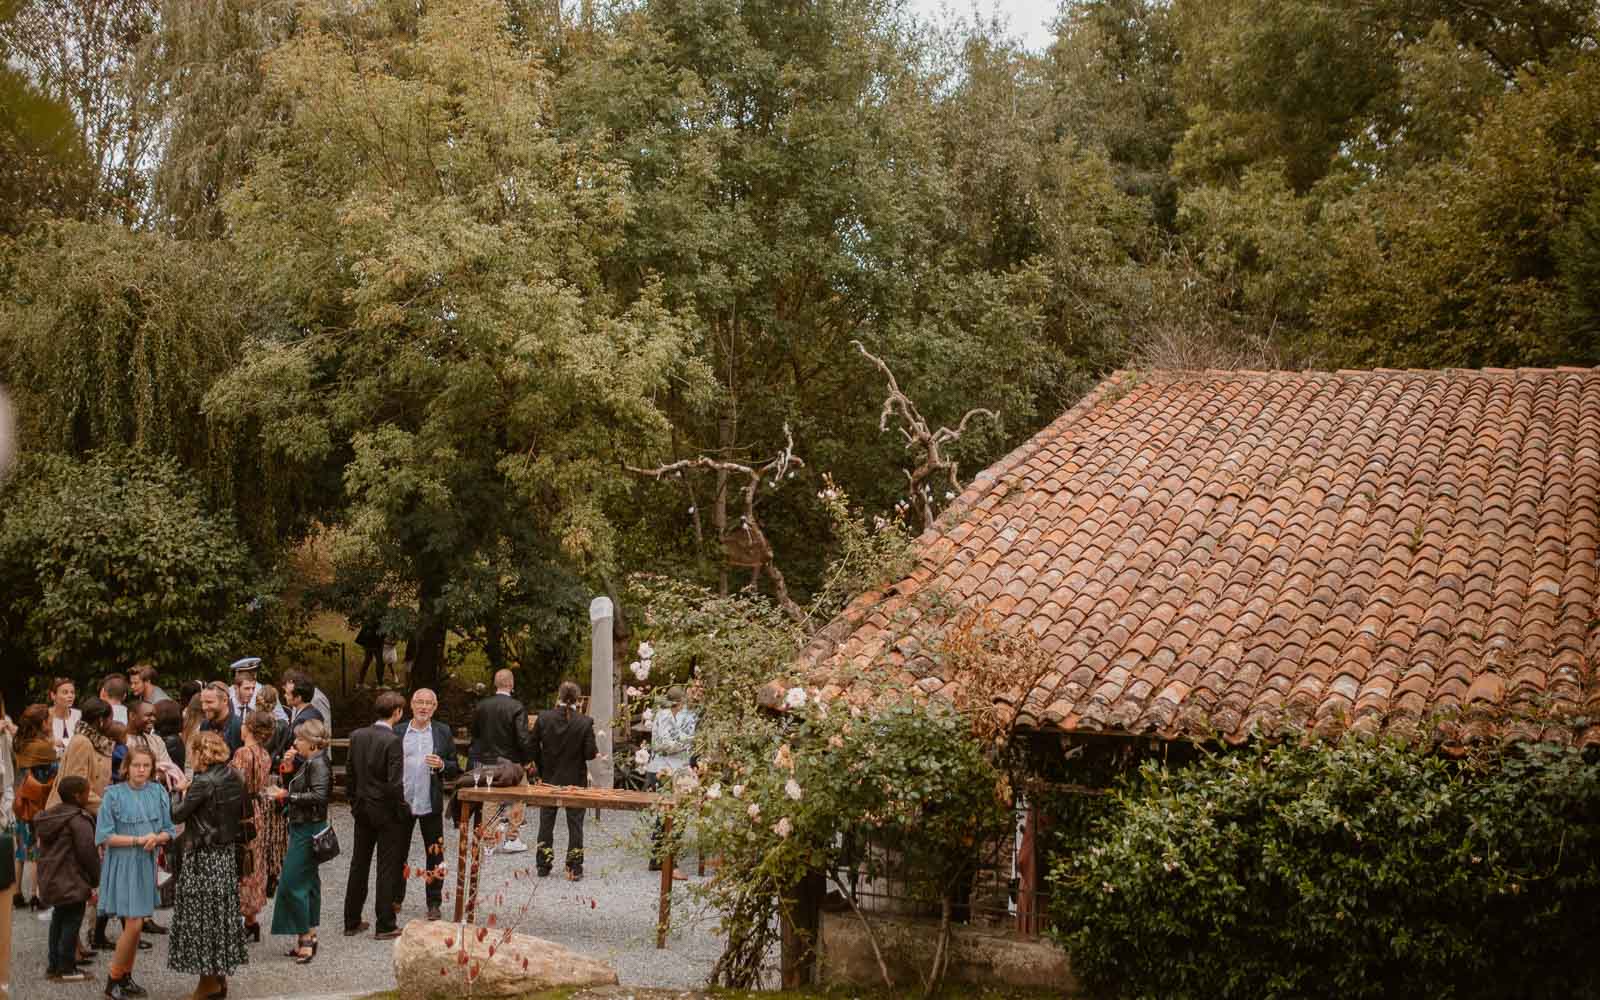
<point>430,277</point>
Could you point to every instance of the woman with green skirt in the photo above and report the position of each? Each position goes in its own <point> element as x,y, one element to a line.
<point>297,908</point>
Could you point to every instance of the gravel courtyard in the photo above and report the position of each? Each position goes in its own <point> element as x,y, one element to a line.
<point>610,915</point>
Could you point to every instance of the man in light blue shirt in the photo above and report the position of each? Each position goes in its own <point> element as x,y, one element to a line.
<point>430,761</point>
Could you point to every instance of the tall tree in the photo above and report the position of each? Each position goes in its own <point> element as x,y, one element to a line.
<point>440,338</point>
<point>86,54</point>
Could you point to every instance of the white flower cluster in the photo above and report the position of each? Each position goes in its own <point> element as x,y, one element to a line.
<point>641,666</point>
<point>795,698</point>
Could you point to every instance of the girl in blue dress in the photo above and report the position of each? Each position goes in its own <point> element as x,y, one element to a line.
<point>135,818</point>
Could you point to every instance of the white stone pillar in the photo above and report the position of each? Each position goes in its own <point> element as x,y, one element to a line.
<point>602,685</point>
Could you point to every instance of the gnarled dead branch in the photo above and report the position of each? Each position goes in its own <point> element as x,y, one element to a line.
<point>746,544</point>
<point>918,435</point>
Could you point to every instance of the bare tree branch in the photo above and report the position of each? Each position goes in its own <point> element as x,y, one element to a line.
<point>746,545</point>
<point>917,435</point>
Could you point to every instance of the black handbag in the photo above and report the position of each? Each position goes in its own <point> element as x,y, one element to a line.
<point>324,845</point>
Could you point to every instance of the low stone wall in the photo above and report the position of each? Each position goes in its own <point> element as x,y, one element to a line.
<point>979,956</point>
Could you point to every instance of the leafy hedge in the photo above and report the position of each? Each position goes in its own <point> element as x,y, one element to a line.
<point>1363,870</point>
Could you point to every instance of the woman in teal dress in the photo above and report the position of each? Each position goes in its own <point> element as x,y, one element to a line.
<point>298,908</point>
<point>135,818</point>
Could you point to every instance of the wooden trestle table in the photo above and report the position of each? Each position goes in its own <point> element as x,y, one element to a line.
<point>565,796</point>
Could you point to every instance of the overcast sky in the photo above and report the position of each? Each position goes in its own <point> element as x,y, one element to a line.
<point>1028,19</point>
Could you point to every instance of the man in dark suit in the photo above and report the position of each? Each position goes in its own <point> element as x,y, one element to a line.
<point>565,746</point>
<point>430,761</point>
<point>375,785</point>
<point>501,730</point>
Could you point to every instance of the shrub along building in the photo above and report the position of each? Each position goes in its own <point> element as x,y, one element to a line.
<point>1235,555</point>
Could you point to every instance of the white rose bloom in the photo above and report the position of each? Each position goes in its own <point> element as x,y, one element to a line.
<point>754,811</point>
<point>631,691</point>
<point>641,756</point>
<point>646,651</point>
<point>715,791</point>
<point>649,717</point>
<point>783,828</point>
<point>792,789</point>
<point>738,791</point>
<point>641,669</point>
<point>795,698</point>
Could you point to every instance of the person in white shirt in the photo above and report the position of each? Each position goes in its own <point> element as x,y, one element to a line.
<point>242,695</point>
<point>671,743</point>
<point>114,692</point>
<point>63,717</point>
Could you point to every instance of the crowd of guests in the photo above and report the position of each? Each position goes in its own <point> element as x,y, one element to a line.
<point>130,801</point>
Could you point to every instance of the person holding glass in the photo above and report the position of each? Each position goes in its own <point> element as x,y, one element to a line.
<point>207,936</point>
<point>308,783</point>
<point>135,818</point>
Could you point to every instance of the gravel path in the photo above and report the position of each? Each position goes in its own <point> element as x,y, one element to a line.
<point>610,915</point>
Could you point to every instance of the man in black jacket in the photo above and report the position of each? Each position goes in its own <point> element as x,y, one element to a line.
<point>501,730</point>
<point>430,761</point>
<point>565,746</point>
<point>375,785</point>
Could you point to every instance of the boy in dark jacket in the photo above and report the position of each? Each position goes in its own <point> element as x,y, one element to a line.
<point>69,870</point>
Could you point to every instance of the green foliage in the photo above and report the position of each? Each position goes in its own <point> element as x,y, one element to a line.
<point>113,561</point>
<point>1333,871</point>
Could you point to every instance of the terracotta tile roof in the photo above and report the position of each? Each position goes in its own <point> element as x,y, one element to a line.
<point>1230,552</point>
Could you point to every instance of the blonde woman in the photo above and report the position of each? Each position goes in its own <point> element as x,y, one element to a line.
<point>207,938</point>
<point>298,904</point>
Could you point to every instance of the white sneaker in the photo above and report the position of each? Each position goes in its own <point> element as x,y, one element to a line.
<point>514,846</point>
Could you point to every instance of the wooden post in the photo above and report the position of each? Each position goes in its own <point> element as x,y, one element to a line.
<point>664,915</point>
<point>800,922</point>
<point>1028,872</point>
<point>464,810</point>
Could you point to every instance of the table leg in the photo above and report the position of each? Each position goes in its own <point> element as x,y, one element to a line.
<point>664,917</point>
<point>472,879</point>
<point>465,823</point>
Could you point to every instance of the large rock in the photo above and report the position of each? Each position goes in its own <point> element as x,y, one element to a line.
<point>428,963</point>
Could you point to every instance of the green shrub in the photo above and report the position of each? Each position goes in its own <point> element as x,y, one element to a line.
<point>1358,870</point>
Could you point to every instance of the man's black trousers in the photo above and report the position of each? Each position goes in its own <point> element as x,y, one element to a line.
<point>547,836</point>
<point>380,829</point>
<point>433,849</point>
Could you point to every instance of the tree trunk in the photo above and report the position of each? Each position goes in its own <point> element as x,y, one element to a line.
<point>427,653</point>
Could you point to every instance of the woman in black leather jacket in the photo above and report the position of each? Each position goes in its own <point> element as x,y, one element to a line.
<point>207,937</point>
<point>298,907</point>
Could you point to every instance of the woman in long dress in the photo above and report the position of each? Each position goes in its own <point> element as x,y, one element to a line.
<point>135,818</point>
<point>207,940</point>
<point>298,906</point>
<point>254,765</point>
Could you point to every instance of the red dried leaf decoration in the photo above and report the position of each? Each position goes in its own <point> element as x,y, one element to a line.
<point>443,971</point>
<point>491,951</point>
<point>482,933</point>
<point>524,965</point>
<point>591,904</point>
<point>492,917</point>
<point>473,972</point>
<point>461,957</point>
<point>405,871</point>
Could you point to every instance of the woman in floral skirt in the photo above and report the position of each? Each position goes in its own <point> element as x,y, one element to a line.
<point>253,763</point>
<point>207,937</point>
<point>135,818</point>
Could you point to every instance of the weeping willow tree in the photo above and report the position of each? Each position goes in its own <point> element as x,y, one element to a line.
<point>110,338</point>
